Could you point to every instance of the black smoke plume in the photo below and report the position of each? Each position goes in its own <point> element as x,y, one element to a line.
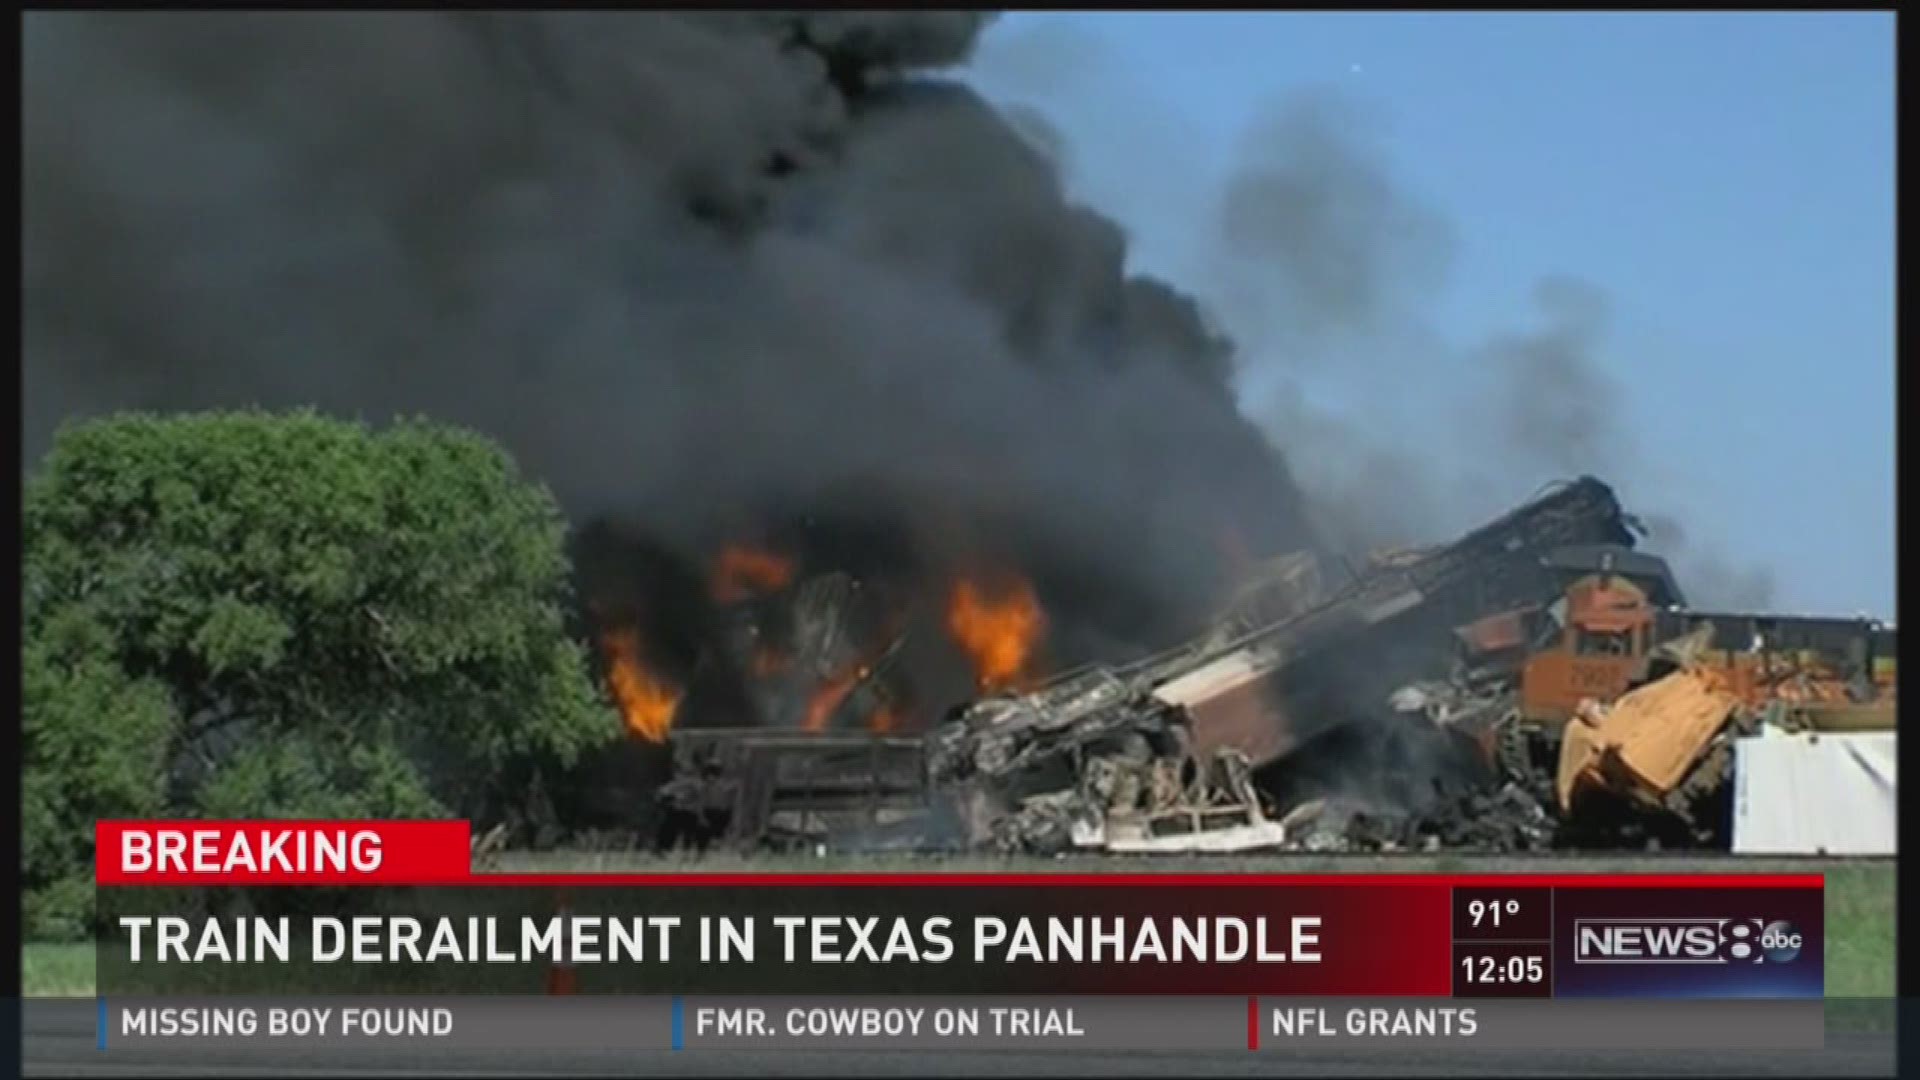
<point>699,272</point>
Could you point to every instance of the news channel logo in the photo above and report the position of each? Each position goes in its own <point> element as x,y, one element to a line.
<point>1686,941</point>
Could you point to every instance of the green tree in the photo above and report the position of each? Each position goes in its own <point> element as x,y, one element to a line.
<point>252,615</point>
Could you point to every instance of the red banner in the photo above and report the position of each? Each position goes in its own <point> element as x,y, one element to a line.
<point>1433,935</point>
<point>281,852</point>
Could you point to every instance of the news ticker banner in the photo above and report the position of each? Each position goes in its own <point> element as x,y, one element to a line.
<point>274,1027</point>
<point>392,908</point>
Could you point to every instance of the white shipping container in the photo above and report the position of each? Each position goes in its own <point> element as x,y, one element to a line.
<point>1816,794</point>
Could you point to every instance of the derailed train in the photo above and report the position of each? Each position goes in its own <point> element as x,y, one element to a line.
<point>1168,746</point>
<point>1187,750</point>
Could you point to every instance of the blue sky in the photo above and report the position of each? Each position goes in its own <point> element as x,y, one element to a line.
<point>1726,179</point>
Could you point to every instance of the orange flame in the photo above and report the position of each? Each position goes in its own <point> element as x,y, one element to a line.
<point>884,721</point>
<point>998,629</point>
<point>827,697</point>
<point>741,572</point>
<point>647,703</point>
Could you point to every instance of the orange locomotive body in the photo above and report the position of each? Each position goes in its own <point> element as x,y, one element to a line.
<point>1616,691</point>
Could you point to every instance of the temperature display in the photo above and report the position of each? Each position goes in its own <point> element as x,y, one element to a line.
<point>1495,914</point>
<point>1487,912</point>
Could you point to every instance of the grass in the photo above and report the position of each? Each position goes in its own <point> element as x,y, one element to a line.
<point>57,969</point>
<point>1860,941</point>
<point>1860,898</point>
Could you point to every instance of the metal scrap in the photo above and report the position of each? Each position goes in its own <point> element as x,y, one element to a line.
<point>1187,750</point>
<point>1502,819</point>
<point>739,786</point>
<point>1260,690</point>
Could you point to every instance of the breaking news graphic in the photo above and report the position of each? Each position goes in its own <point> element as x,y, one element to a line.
<point>440,928</point>
<point>948,542</point>
<point>212,940</point>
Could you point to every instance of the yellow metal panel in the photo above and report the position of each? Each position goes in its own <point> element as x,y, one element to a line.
<point>1659,731</point>
<point>1579,754</point>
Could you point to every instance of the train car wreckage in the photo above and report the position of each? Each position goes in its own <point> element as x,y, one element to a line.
<point>1165,754</point>
<point>1173,752</point>
<point>1559,658</point>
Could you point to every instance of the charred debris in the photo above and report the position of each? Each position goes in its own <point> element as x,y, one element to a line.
<point>1536,684</point>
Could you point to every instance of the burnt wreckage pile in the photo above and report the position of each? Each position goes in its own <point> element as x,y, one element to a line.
<point>1289,704</point>
<point>1307,718</point>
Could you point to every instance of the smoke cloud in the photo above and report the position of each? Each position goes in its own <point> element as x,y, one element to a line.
<point>1316,238</point>
<point>1712,581</point>
<point>1322,263</point>
<point>1328,268</point>
<point>1556,406</point>
<point>694,270</point>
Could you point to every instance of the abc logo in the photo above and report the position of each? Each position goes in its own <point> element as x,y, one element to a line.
<point>1775,942</point>
<point>1780,941</point>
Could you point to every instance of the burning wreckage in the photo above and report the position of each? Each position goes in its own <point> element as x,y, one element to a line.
<point>1536,683</point>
